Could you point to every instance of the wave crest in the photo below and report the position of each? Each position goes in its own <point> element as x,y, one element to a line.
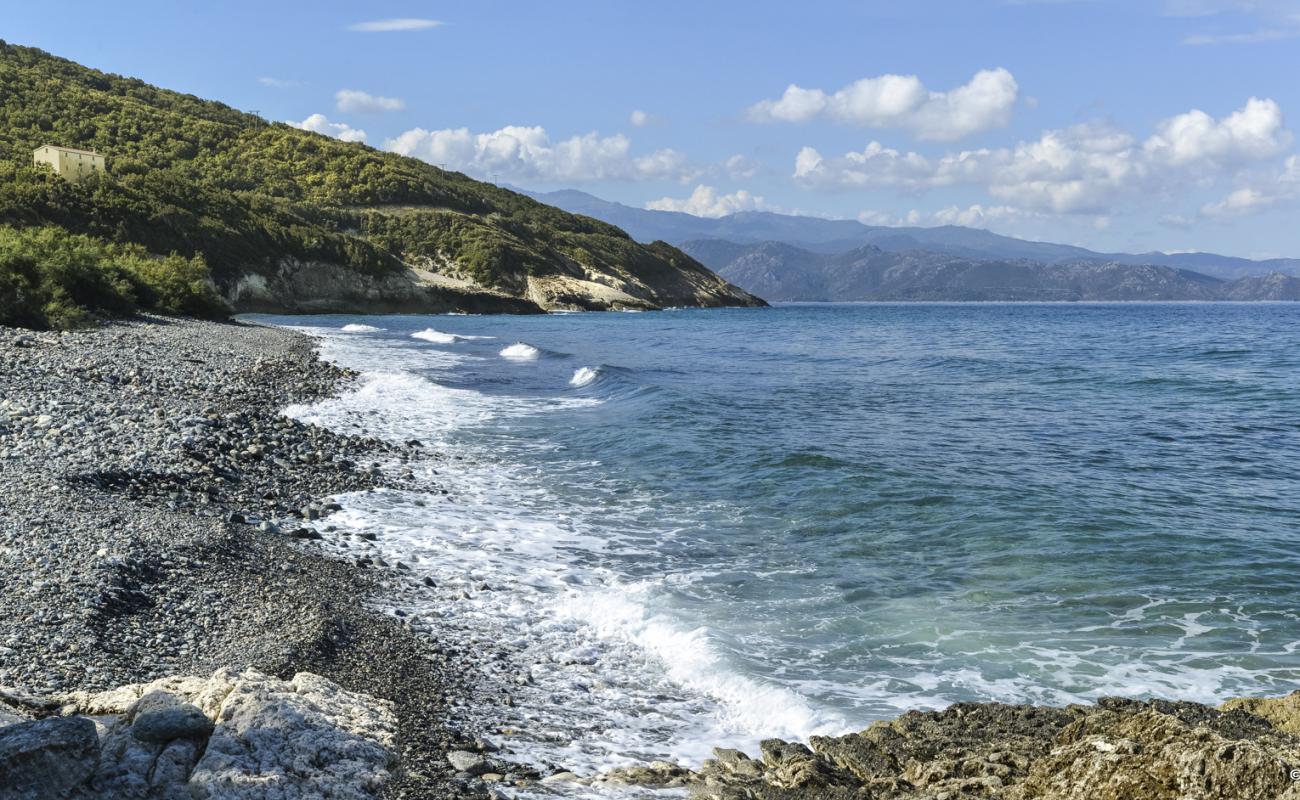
<point>521,351</point>
<point>583,376</point>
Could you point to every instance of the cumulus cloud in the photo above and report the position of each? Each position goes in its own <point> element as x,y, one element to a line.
<point>1082,169</point>
<point>393,25</point>
<point>529,153</point>
<point>1256,131</point>
<point>706,201</point>
<point>339,130</point>
<point>640,119</point>
<point>903,102</point>
<point>356,101</point>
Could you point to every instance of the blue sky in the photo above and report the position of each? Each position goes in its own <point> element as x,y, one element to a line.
<point>1139,125</point>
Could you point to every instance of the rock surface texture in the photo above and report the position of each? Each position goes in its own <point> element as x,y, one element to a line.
<point>1115,750</point>
<point>227,737</point>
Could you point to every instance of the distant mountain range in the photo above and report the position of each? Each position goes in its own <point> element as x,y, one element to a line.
<point>777,271</point>
<point>840,237</point>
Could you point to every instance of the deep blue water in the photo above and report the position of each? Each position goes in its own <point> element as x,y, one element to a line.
<point>804,518</point>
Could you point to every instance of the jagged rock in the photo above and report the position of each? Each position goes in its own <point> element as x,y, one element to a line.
<point>1115,750</point>
<point>239,736</point>
<point>793,766</point>
<point>730,764</point>
<point>1282,712</point>
<point>46,759</point>
<point>1153,752</point>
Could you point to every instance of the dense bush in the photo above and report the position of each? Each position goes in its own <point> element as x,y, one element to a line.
<point>199,178</point>
<point>50,278</point>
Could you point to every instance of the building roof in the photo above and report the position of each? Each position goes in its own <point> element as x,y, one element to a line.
<point>69,150</point>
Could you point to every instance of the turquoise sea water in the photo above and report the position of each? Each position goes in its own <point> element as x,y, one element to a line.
<point>707,527</point>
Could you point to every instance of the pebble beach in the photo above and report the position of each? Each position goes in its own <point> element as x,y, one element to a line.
<point>152,501</point>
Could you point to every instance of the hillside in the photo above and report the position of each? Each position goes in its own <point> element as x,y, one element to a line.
<point>780,271</point>
<point>835,236</point>
<point>291,221</point>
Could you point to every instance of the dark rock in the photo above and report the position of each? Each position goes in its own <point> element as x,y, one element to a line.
<point>47,758</point>
<point>161,720</point>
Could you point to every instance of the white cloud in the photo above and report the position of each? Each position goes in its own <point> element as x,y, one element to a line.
<point>884,218</point>
<point>902,101</point>
<point>1261,191</point>
<point>278,83</point>
<point>977,216</point>
<point>356,101</point>
<point>1277,20</point>
<point>391,25</point>
<point>1254,132</point>
<point>1290,170</point>
<point>1253,37</point>
<point>740,167</point>
<point>640,119</point>
<point>1082,169</point>
<point>1266,9</point>
<point>528,153</point>
<point>705,201</point>
<point>339,130</point>
<point>1240,203</point>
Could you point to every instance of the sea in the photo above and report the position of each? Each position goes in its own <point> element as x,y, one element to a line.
<point>699,528</point>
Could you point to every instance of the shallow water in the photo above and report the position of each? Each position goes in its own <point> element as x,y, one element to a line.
<point>710,527</point>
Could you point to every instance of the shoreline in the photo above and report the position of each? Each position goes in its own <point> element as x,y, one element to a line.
<point>158,517</point>
<point>149,508</point>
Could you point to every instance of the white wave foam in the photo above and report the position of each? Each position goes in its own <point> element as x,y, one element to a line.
<point>747,707</point>
<point>398,406</point>
<point>521,351</point>
<point>355,328</point>
<point>583,376</point>
<point>437,337</point>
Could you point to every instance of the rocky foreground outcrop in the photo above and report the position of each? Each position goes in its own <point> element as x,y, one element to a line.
<point>1115,750</point>
<point>234,735</point>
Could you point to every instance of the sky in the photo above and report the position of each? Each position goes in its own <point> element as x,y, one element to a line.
<point>1120,125</point>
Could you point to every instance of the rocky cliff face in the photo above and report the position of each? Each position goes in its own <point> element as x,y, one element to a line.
<point>299,287</point>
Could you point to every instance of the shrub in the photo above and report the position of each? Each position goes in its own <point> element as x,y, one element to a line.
<point>50,278</point>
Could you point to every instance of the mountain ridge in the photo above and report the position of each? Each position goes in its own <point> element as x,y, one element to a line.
<point>292,221</point>
<point>839,236</point>
<point>783,272</point>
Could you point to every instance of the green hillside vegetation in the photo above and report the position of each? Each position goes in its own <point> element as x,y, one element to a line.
<point>201,180</point>
<point>50,278</point>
